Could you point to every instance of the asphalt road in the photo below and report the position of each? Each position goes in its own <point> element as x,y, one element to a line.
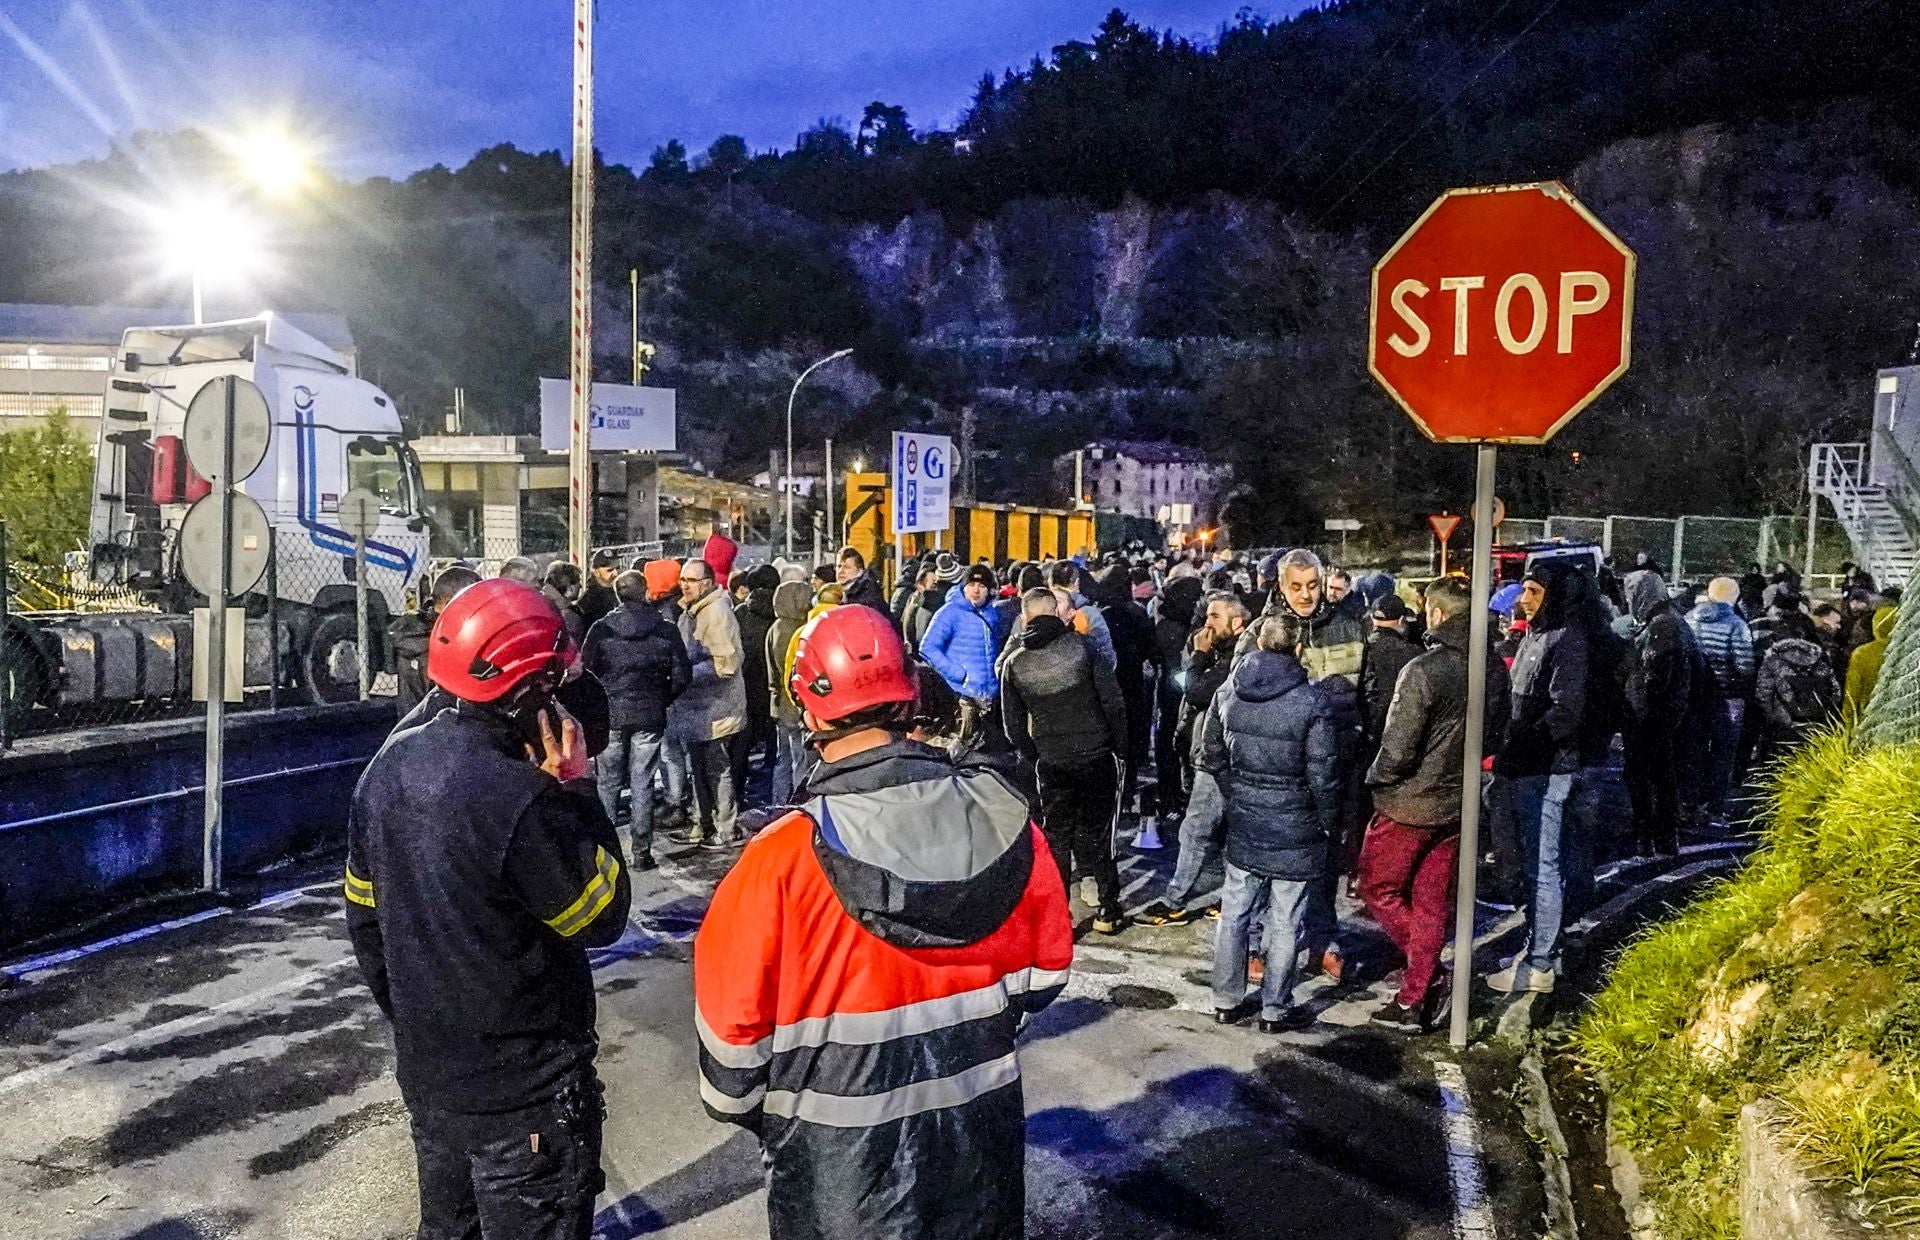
<point>232,1078</point>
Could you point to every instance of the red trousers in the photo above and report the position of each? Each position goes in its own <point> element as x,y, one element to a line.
<point>1407,880</point>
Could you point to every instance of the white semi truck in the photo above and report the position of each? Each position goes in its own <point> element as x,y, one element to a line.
<point>331,432</point>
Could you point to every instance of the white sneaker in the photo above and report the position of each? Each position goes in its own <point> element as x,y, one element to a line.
<point>1517,976</point>
<point>1089,893</point>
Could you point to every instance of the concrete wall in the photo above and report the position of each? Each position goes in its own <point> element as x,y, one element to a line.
<point>90,820</point>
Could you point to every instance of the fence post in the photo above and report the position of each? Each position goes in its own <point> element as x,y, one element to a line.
<point>1606,537</point>
<point>273,620</point>
<point>1679,544</point>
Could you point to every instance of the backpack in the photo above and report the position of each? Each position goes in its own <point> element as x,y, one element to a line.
<point>1809,692</point>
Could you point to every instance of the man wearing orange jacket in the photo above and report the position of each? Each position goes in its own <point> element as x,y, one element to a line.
<point>865,968</point>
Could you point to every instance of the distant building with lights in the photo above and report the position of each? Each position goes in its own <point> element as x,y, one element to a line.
<point>1181,488</point>
<point>56,357</point>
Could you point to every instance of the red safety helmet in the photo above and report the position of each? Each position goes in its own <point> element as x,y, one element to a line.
<point>850,660</point>
<point>492,636</point>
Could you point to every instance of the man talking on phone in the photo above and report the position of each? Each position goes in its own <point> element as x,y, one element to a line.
<point>480,869</point>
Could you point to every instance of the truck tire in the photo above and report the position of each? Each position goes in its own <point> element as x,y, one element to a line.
<point>23,679</point>
<point>329,665</point>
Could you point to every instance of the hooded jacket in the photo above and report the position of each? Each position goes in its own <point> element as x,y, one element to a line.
<point>1416,775</point>
<point>1863,669</point>
<point>1549,690</point>
<point>1726,643</point>
<point>1796,690</point>
<point>1060,703</point>
<point>859,982</point>
<point>714,706</point>
<point>790,603</point>
<point>962,644</point>
<point>1660,683</point>
<point>642,663</point>
<point>1172,625</point>
<point>1270,738</point>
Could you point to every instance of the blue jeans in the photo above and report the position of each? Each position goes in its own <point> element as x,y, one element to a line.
<point>673,774</point>
<point>1285,902</point>
<point>789,761</point>
<point>1724,727</point>
<point>1199,837</point>
<point>1540,812</point>
<point>629,761</point>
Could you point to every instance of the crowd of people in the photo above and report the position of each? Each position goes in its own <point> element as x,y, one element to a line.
<point>928,773</point>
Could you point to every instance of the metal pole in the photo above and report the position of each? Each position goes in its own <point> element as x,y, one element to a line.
<point>1470,763</point>
<point>1443,553</point>
<point>273,620</point>
<point>832,532</point>
<point>1813,519</point>
<point>360,614</point>
<point>579,463</point>
<point>210,844</point>
<point>633,286</point>
<point>786,481</point>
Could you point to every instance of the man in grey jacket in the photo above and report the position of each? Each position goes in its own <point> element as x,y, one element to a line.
<point>711,716</point>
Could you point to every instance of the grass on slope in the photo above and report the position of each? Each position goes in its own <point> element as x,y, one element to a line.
<point>1798,979</point>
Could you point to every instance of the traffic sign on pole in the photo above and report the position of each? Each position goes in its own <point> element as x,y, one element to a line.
<point>1503,312</point>
<point>1443,524</point>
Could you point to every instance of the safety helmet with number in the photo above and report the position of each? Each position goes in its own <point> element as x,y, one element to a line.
<point>493,637</point>
<point>850,660</point>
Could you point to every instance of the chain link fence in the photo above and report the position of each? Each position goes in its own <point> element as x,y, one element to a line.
<point>1695,548</point>
<point>1893,712</point>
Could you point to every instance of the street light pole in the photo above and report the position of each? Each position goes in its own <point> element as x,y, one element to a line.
<point>831,357</point>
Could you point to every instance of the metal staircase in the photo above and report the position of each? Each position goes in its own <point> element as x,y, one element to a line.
<point>1882,521</point>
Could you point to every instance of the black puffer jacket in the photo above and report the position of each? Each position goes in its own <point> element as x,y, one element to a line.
<point>1388,651</point>
<point>1269,736</point>
<point>1060,702</point>
<point>1660,678</point>
<point>1549,682</point>
<point>641,661</point>
<point>1416,775</point>
<point>756,617</point>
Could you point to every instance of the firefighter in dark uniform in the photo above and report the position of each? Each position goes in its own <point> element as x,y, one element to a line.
<point>480,869</point>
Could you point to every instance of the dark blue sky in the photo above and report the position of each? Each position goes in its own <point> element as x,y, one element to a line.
<point>396,85</point>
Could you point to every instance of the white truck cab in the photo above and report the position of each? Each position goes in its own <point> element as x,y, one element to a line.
<point>331,431</point>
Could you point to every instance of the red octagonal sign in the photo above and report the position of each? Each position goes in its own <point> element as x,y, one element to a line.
<point>1501,313</point>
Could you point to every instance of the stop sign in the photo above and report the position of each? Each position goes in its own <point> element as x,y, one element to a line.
<point>1501,313</point>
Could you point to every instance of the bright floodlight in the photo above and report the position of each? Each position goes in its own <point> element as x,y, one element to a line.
<point>273,160</point>
<point>208,238</point>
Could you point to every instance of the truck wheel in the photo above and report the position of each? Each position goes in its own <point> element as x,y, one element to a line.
<point>23,681</point>
<point>330,667</point>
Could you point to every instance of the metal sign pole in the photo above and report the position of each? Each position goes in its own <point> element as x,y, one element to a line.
<point>210,844</point>
<point>360,613</point>
<point>1476,722</point>
<point>832,534</point>
<point>579,463</point>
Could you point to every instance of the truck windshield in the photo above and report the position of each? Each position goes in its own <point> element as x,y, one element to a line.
<point>379,466</point>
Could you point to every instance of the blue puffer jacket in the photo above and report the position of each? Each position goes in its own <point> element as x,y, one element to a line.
<point>1270,737</point>
<point>962,643</point>
<point>1727,643</point>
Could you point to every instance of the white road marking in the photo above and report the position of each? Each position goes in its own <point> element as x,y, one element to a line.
<point>160,1033</point>
<point>1466,1170</point>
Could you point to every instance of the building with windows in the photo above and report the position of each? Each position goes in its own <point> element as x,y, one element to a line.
<point>56,357</point>
<point>1177,486</point>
